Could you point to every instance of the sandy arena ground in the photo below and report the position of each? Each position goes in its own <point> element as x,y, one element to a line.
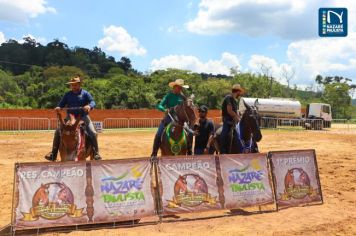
<point>336,155</point>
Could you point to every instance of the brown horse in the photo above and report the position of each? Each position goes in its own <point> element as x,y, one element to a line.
<point>181,186</point>
<point>41,196</point>
<point>70,139</point>
<point>174,138</point>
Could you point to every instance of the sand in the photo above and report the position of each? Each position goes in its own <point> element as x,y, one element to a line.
<point>336,155</point>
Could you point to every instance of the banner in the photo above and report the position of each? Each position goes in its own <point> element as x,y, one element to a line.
<point>296,178</point>
<point>189,184</point>
<point>246,180</point>
<point>49,195</point>
<point>122,190</point>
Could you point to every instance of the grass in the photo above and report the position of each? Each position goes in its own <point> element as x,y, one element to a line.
<point>353,112</point>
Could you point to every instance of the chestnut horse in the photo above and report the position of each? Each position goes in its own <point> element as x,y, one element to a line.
<point>70,136</point>
<point>174,138</point>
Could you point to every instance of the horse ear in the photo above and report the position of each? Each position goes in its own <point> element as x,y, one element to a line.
<point>246,105</point>
<point>256,104</point>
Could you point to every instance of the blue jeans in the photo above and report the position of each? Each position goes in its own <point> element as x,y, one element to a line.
<point>224,139</point>
<point>165,121</point>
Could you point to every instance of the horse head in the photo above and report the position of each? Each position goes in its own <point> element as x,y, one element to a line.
<point>69,132</point>
<point>249,123</point>
<point>41,196</point>
<point>188,112</point>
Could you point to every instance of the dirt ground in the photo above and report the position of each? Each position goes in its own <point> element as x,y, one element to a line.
<point>336,155</point>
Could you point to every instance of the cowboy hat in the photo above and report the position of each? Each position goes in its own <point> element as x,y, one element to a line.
<point>178,82</point>
<point>238,87</point>
<point>74,80</point>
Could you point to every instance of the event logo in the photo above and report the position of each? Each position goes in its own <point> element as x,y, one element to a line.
<point>297,185</point>
<point>52,201</point>
<point>191,190</point>
<point>125,190</point>
<point>332,22</point>
<point>247,180</point>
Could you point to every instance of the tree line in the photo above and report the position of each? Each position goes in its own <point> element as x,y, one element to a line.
<point>35,76</point>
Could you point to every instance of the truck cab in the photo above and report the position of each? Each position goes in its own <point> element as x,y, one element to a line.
<point>321,111</point>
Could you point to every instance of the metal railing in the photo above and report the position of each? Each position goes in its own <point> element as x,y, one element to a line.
<point>43,124</point>
<point>10,124</point>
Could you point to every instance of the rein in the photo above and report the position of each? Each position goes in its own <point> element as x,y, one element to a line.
<point>246,146</point>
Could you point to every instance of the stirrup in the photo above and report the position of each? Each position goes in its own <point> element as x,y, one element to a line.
<point>50,157</point>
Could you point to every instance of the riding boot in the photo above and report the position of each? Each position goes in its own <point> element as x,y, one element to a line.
<point>52,156</point>
<point>94,142</point>
<point>156,145</point>
<point>189,144</point>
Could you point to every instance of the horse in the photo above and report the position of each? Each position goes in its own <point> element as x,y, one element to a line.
<point>41,196</point>
<point>248,132</point>
<point>74,146</point>
<point>181,186</point>
<point>174,138</point>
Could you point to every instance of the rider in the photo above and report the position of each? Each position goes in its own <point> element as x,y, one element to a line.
<point>172,99</point>
<point>230,115</point>
<point>77,97</point>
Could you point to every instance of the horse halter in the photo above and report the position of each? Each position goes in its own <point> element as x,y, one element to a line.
<point>184,112</point>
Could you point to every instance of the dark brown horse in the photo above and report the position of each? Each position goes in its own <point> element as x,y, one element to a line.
<point>74,146</point>
<point>174,138</point>
<point>248,133</point>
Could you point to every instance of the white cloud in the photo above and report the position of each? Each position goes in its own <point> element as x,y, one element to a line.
<point>22,10</point>
<point>2,38</point>
<point>117,39</point>
<point>41,40</point>
<point>269,67</point>
<point>323,56</point>
<point>192,63</point>
<point>282,18</point>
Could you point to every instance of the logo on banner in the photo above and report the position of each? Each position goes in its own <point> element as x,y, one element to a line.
<point>125,190</point>
<point>332,22</point>
<point>297,185</point>
<point>52,201</point>
<point>248,179</point>
<point>191,190</point>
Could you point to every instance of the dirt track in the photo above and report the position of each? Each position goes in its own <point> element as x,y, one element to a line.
<point>336,155</point>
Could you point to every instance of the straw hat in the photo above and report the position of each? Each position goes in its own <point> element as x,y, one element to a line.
<point>74,80</point>
<point>178,82</point>
<point>238,87</point>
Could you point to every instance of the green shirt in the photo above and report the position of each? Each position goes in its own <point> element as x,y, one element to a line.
<point>170,100</point>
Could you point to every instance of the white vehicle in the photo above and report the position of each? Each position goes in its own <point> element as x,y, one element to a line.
<point>274,107</point>
<point>284,111</point>
<point>319,111</point>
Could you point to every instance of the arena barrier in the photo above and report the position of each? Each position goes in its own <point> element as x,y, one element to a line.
<point>66,194</point>
<point>109,124</point>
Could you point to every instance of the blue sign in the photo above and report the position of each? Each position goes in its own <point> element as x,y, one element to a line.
<point>332,22</point>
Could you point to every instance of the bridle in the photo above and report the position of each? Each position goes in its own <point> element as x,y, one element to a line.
<point>176,120</point>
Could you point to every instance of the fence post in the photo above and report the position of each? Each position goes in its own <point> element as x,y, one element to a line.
<point>128,122</point>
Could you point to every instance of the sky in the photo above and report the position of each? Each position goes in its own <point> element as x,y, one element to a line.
<point>279,37</point>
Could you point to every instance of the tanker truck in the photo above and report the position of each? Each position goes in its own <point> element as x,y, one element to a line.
<point>283,111</point>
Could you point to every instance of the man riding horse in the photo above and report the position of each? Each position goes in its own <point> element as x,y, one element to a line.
<point>230,116</point>
<point>169,101</point>
<point>75,98</point>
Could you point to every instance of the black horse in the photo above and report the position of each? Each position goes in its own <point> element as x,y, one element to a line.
<point>248,133</point>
